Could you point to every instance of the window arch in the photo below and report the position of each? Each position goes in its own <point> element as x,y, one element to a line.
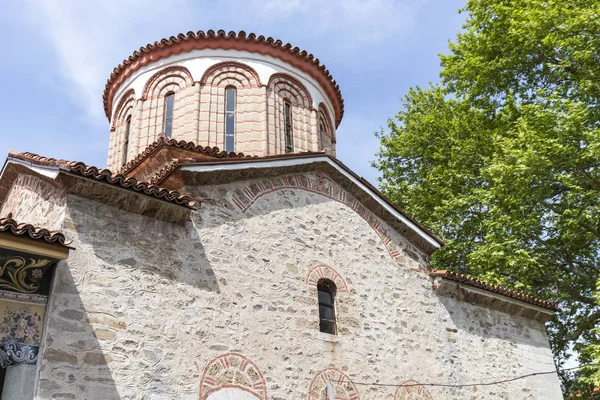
<point>322,133</point>
<point>168,113</point>
<point>230,106</point>
<point>326,294</point>
<point>126,141</point>
<point>287,121</point>
<point>288,97</point>
<point>325,130</point>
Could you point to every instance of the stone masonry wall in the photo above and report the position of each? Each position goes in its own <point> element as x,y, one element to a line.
<point>32,200</point>
<point>225,307</point>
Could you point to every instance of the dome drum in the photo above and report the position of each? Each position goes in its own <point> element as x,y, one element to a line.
<point>236,100</point>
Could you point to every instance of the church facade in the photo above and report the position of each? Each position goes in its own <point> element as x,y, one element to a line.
<point>226,254</point>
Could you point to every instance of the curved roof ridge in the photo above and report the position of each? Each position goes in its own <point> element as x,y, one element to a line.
<point>241,36</point>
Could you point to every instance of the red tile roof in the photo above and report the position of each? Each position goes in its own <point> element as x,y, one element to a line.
<point>105,175</point>
<point>220,39</point>
<point>9,225</point>
<point>182,144</point>
<point>467,280</point>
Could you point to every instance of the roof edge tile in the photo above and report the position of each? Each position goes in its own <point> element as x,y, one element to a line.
<point>105,175</point>
<point>11,226</point>
<point>513,294</point>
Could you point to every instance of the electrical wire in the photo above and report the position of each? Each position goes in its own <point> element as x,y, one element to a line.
<point>491,383</point>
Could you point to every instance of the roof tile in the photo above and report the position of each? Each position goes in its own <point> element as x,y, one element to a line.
<point>105,175</point>
<point>470,281</point>
<point>11,226</point>
<point>240,36</point>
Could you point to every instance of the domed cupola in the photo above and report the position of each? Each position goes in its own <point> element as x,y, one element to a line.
<point>242,93</point>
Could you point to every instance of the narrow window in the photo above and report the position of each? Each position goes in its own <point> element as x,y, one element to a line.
<point>326,289</point>
<point>289,145</point>
<point>126,145</point>
<point>330,390</point>
<point>322,133</point>
<point>230,119</point>
<point>169,103</point>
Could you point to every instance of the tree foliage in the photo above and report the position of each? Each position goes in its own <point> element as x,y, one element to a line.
<point>502,159</point>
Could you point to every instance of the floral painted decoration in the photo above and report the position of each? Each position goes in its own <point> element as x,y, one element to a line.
<point>21,325</point>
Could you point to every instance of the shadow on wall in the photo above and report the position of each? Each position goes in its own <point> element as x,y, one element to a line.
<point>155,251</point>
<point>130,289</point>
<point>488,323</point>
<point>73,362</point>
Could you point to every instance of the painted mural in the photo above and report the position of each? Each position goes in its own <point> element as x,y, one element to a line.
<point>21,322</point>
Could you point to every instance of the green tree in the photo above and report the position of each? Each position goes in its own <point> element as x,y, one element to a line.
<point>502,159</point>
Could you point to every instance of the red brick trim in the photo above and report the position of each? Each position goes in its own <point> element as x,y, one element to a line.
<point>128,95</point>
<point>319,184</point>
<point>416,392</point>
<point>325,115</point>
<point>297,58</point>
<point>174,70</point>
<point>229,64</point>
<point>274,80</point>
<point>214,378</point>
<point>346,390</point>
<point>322,271</point>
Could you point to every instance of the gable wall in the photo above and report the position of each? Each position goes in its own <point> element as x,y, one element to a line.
<point>143,306</point>
<point>34,201</point>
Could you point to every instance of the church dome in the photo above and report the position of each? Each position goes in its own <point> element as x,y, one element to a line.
<point>241,93</point>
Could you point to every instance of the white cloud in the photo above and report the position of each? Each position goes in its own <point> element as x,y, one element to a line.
<point>90,38</point>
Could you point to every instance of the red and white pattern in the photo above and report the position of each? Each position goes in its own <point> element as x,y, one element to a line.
<point>318,183</point>
<point>412,392</point>
<point>322,271</point>
<point>343,387</point>
<point>232,370</point>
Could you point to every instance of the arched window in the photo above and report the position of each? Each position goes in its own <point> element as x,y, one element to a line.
<point>287,116</point>
<point>230,118</point>
<point>326,290</point>
<point>126,144</point>
<point>322,133</point>
<point>169,104</point>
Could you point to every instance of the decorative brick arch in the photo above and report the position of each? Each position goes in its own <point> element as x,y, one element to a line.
<point>324,116</point>
<point>232,370</point>
<point>318,183</point>
<point>287,86</point>
<point>322,271</point>
<point>212,74</point>
<point>413,392</point>
<point>126,102</point>
<point>179,76</point>
<point>343,386</point>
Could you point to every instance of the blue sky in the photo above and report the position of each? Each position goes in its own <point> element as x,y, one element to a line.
<point>58,55</point>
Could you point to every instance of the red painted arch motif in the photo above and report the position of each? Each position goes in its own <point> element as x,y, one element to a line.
<point>317,183</point>
<point>232,370</point>
<point>414,391</point>
<point>231,66</point>
<point>322,271</point>
<point>154,83</point>
<point>342,385</point>
<point>289,87</point>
